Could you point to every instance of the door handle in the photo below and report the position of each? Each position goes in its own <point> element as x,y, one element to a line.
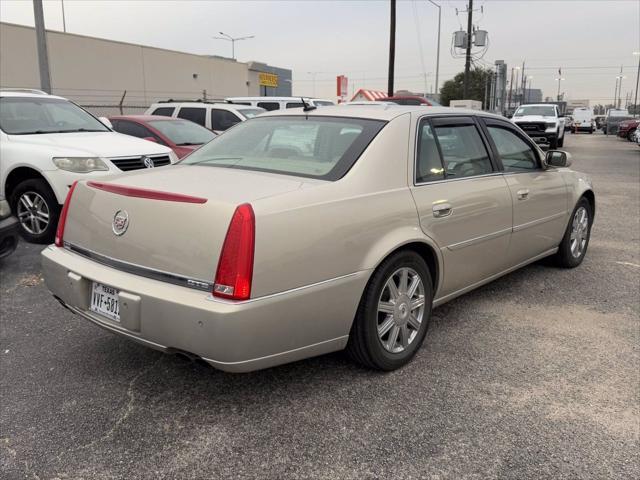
<point>441,210</point>
<point>523,194</point>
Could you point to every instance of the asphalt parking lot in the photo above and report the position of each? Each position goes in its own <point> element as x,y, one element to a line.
<point>536,375</point>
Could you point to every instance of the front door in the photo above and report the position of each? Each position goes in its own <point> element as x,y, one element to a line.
<point>463,202</point>
<point>540,210</point>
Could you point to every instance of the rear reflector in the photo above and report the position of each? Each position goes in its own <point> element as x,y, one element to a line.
<point>63,216</point>
<point>145,193</point>
<point>235,267</point>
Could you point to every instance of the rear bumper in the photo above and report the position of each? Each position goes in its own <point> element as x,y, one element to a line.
<point>9,231</point>
<point>231,336</point>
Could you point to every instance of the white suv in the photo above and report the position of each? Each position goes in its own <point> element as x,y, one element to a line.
<point>47,143</point>
<point>214,116</point>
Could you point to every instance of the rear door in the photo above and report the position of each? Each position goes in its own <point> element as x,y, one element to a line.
<point>462,199</point>
<point>539,196</point>
<point>195,114</point>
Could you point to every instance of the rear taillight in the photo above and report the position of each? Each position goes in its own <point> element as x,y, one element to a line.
<point>235,267</point>
<point>63,216</point>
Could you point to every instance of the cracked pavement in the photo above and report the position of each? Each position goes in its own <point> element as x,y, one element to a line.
<point>535,375</point>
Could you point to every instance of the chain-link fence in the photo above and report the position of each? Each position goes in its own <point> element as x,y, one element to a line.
<point>108,110</point>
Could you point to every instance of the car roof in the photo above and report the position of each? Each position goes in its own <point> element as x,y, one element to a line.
<point>273,99</point>
<point>27,94</point>
<point>144,118</point>
<point>378,112</point>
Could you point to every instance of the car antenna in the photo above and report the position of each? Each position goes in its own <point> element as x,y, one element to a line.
<point>307,106</point>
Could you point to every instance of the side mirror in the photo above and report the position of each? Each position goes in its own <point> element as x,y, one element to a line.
<point>105,121</point>
<point>558,158</point>
<point>150,139</point>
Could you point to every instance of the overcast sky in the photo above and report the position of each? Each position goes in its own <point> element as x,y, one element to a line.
<point>589,40</point>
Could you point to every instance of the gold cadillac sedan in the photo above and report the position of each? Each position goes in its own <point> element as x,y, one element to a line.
<point>299,233</point>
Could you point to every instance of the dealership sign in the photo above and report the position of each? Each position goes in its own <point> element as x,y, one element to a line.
<point>342,87</point>
<point>268,79</point>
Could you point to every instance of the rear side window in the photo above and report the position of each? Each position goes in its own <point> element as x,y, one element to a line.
<point>315,147</point>
<point>428,165</point>
<point>463,152</point>
<point>195,114</point>
<point>223,119</point>
<point>269,105</point>
<point>514,152</point>
<point>294,105</point>
<point>163,111</point>
<point>133,129</point>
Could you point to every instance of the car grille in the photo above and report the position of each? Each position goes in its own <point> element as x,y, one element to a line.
<point>138,162</point>
<point>532,126</point>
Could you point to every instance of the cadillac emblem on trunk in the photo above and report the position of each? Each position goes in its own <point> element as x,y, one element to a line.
<point>120,222</point>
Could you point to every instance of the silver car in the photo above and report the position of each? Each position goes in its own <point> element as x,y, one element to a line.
<point>299,233</point>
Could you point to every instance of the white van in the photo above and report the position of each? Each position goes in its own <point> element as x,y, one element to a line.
<point>584,120</point>
<point>279,103</point>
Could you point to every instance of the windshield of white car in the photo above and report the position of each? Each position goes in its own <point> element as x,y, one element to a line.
<point>536,110</point>
<point>183,132</point>
<point>316,147</point>
<point>251,112</point>
<point>35,115</point>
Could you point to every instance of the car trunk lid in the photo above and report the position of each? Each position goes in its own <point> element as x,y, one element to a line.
<point>171,221</point>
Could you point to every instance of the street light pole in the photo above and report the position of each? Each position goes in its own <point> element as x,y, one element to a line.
<point>392,47</point>
<point>233,41</point>
<point>438,51</point>
<point>559,79</point>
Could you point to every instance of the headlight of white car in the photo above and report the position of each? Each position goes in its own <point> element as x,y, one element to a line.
<point>551,125</point>
<point>80,164</point>
<point>173,158</point>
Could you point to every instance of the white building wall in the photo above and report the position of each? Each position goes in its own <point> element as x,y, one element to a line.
<point>93,71</point>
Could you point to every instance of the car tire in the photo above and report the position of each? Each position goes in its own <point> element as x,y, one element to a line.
<point>570,255</point>
<point>37,209</point>
<point>387,332</point>
<point>553,143</point>
<point>561,142</point>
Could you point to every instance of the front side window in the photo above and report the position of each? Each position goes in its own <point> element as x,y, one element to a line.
<point>315,147</point>
<point>223,119</point>
<point>514,152</point>
<point>269,105</point>
<point>34,115</point>
<point>195,114</point>
<point>463,152</point>
<point>428,165</point>
<point>163,111</point>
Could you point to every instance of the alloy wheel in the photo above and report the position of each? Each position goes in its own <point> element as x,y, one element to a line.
<point>400,310</point>
<point>579,232</point>
<point>33,212</point>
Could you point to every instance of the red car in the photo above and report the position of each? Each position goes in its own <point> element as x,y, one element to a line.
<point>627,127</point>
<point>182,136</point>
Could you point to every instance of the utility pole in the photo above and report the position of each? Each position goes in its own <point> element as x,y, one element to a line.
<point>392,47</point>
<point>524,88</point>
<point>516,84</point>
<point>636,111</point>
<point>438,51</point>
<point>41,39</point>
<point>510,90</point>
<point>620,89</point>
<point>524,81</point>
<point>467,62</point>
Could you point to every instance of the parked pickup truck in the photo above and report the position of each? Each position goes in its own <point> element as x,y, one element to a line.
<point>542,122</point>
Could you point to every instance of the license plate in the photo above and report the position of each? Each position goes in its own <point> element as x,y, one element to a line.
<point>105,301</point>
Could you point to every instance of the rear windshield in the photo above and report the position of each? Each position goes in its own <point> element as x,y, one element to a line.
<point>316,147</point>
<point>251,112</point>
